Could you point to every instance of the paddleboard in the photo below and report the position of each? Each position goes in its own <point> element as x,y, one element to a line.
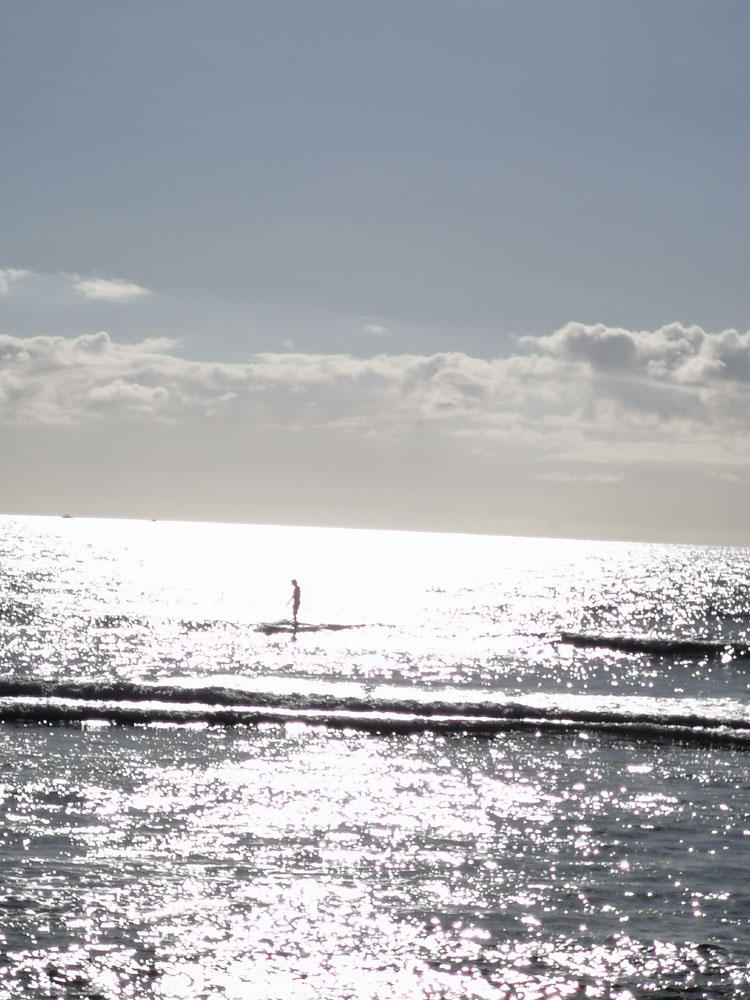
<point>286,625</point>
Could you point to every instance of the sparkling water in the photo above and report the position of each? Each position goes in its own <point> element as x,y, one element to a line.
<point>468,790</point>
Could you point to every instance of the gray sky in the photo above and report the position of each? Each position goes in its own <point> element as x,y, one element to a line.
<point>474,266</point>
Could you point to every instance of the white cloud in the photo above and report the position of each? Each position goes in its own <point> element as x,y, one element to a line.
<point>94,289</point>
<point>527,443</point>
<point>133,396</point>
<point>374,329</point>
<point>108,289</point>
<point>584,394</point>
<point>9,276</point>
<point>671,353</point>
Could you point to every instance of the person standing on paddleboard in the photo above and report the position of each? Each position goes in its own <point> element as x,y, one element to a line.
<point>295,600</point>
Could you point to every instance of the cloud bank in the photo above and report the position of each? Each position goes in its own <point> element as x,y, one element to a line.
<point>590,431</point>
<point>584,393</point>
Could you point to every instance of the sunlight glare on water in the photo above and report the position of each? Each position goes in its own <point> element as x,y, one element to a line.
<point>287,859</point>
<point>412,867</point>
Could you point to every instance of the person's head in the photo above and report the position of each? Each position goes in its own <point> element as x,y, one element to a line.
<point>294,583</point>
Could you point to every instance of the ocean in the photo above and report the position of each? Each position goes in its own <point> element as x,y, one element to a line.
<point>516,768</point>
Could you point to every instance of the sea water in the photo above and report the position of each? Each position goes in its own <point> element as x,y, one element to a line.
<point>470,791</point>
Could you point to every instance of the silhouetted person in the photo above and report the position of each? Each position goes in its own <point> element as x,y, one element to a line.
<point>295,600</point>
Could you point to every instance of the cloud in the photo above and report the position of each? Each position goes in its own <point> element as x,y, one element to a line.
<point>94,289</point>
<point>9,276</point>
<point>672,353</point>
<point>588,395</point>
<point>62,378</point>
<point>108,289</point>
<point>543,441</point>
<point>374,329</point>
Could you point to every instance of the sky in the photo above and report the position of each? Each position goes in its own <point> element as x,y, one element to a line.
<point>473,266</point>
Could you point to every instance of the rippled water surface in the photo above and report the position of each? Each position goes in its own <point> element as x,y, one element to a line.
<point>451,801</point>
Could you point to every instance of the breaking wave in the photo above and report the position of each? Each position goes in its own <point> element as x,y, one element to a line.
<point>721,721</point>
<point>659,645</point>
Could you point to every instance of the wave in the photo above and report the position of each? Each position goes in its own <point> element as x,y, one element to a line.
<point>716,722</point>
<point>660,645</point>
